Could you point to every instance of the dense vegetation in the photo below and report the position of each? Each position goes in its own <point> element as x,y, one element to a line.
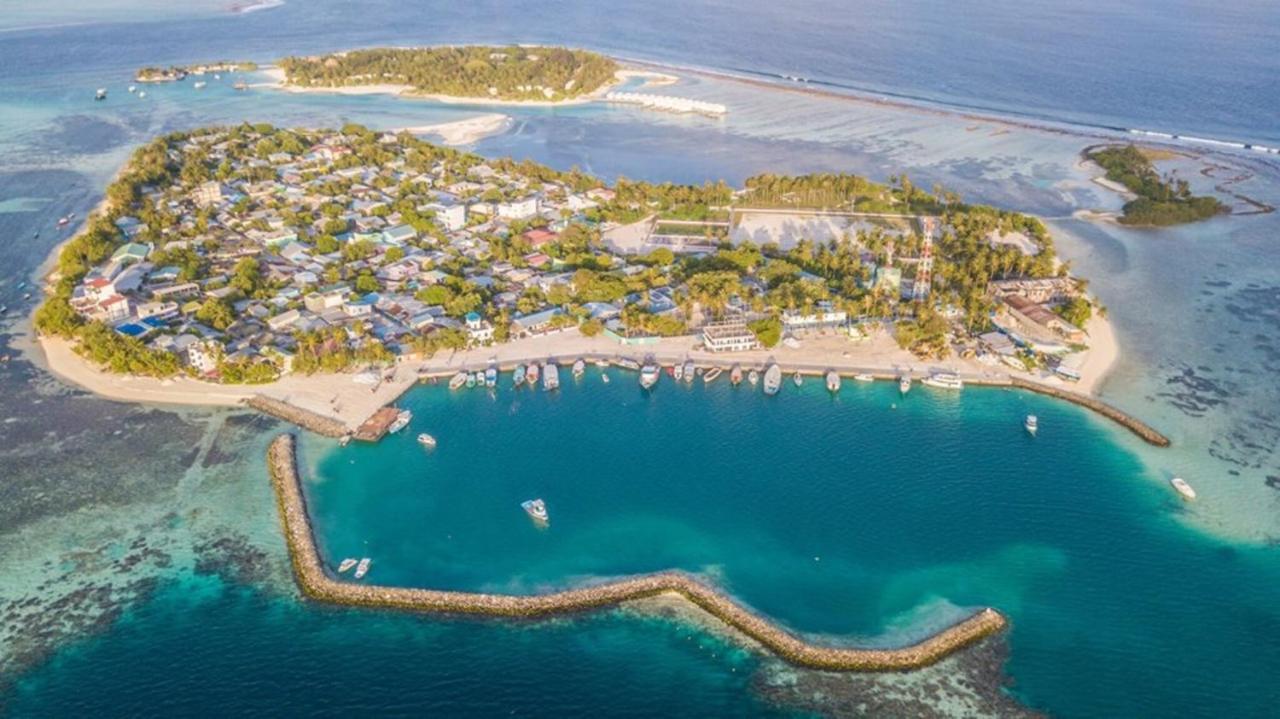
<point>1161,200</point>
<point>507,73</point>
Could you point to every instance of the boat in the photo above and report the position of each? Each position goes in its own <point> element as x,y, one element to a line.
<point>403,417</point>
<point>133,88</point>
<point>797,378</point>
<point>458,380</point>
<point>602,363</point>
<point>1183,488</point>
<point>101,94</point>
<point>753,377</point>
<point>833,381</point>
<point>735,375</point>
<point>628,363</point>
<point>904,384</point>
<point>471,380</point>
<point>200,85</point>
<point>864,377</point>
<point>579,368</point>
<point>711,375</point>
<point>427,440</point>
<point>1031,423</point>
<point>772,380</point>
<point>677,372</point>
<point>943,380</point>
<point>649,375</point>
<point>531,374</point>
<point>689,371</point>
<point>604,378</point>
<point>491,377</point>
<point>362,568</point>
<point>241,85</point>
<point>550,377</point>
<point>346,440</point>
<point>142,93</point>
<point>346,565</point>
<point>517,377</point>
<point>64,221</point>
<point>537,509</point>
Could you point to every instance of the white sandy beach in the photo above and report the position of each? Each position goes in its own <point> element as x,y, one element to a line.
<point>464,132</point>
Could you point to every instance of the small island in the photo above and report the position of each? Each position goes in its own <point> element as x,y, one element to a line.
<point>512,73</point>
<point>1159,201</point>
<point>176,73</point>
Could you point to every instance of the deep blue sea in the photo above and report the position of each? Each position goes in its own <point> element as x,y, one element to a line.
<point>144,572</point>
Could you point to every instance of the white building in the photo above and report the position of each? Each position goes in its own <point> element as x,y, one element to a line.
<point>518,210</point>
<point>728,337</point>
<point>203,356</point>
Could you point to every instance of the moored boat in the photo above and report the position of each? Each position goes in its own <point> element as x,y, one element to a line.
<point>864,377</point>
<point>904,384</point>
<point>604,378</point>
<point>403,417</point>
<point>458,380</point>
<point>833,381</point>
<point>427,440</point>
<point>517,377</point>
<point>602,363</point>
<point>1183,488</point>
<point>531,374</point>
<point>579,368</point>
<point>677,372</point>
<point>753,377</point>
<point>797,378</point>
<point>363,568</point>
<point>628,363</point>
<point>943,380</point>
<point>491,377</point>
<point>735,375</point>
<point>346,565</point>
<point>772,380</point>
<point>550,377</point>
<point>690,371</point>
<point>711,375</point>
<point>1031,423</point>
<point>101,94</point>
<point>537,509</point>
<point>199,85</point>
<point>649,375</point>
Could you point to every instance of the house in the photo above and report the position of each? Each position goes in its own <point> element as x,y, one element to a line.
<point>399,235</point>
<point>113,309</point>
<point>824,317</point>
<point>203,356</point>
<point>1045,290</point>
<point>534,323</point>
<point>210,193</point>
<point>728,337</point>
<point>284,320</point>
<point>519,209</point>
<point>327,297</point>
<point>1034,316</point>
<point>539,237</point>
<point>479,329</point>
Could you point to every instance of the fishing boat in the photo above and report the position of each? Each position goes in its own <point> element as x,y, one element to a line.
<point>550,377</point>
<point>471,380</point>
<point>689,371</point>
<point>1183,488</point>
<point>403,417</point>
<point>362,568</point>
<point>904,384</point>
<point>531,374</point>
<point>1031,423</point>
<point>833,381</point>
<point>579,368</point>
<point>864,377</point>
<point>649,375</point>
<point>491,377</point>
<point>943,380</point>
<point>537,509</point>
<point>517,377</point>
<point>772,380</point>
<point>753,377</point>
<point>458,380</point>
<point>711,375</point>
<point>677,372</point>
<point>427,440</point>
<point>64,221</point>
<point>346,565</point>
<point>101,94</point>
<point>735,375</point>
<point>797,378</point>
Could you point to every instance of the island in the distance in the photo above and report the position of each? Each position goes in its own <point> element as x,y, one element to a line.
<point>1157,201</point>
<point>177,73</point>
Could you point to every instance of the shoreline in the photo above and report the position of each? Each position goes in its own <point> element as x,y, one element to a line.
<point>317,584</point>
<point>463,132</point>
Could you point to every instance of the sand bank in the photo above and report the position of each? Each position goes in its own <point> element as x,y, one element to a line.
<point>464,132</point>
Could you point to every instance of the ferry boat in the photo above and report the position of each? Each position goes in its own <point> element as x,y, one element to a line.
<point>537,509</point>
<point>772,380</point>
<point>833,381</point>
<point>531,374</point>
<point>579,368</point>
<point>101,94</point>
<point>471,380</point>
<point>362,568</point>
<point>677,372</point>
<point>735,375</point>
<point>346,565</point>
<point>753,377</point>
<point>517,377</point>
<point>1183,488</point>
<point>491,377</point>
<point>943,380</point>
<point>689,371</point>
<point>904,384</point>
<point>403,417</point>
<point>1031,423</point>
<point>797,378</point>
<point>458,380</point>
<point>864,377</point>
<point>712,375</point>
<point>649,375</point>
<point>550,377</point>
<point>427,440</point>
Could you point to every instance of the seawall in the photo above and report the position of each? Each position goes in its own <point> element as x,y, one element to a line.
<point>1124,419</point>
<point>306,419</point>
<point>316,583</point>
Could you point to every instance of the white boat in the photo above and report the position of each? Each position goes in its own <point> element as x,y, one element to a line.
<point>833,381</point>
<point>403,417</point>
<point>797,378</point>
<point>458,380</point>
<point>677,372</point>
<point>531,374</point>
<point>904,384</point>
<point>1031,423</point>
<point>943,380</point>
<point>1183,488</point>
<point>142,93</point>
<point>735,375</point>
<point>471,380</point>
<point>517,377</point>
<point>579,368</point>
<point>628,363</point>
<point>200,85</point>
<point>346,565</point>
<point>711,375</point>
<point>101,94</point>
<point>649,375</point>
<point>864,377</point>
<point>753,377</point>
<point>689,371</point>
<point>537,509</point>
<point>604,378</point>
<point>772,380</point>
<point>602,363</point>
<point>133,88</point>
<point>427,440</point>
<point>491,377</point>
<point>362,568</point>
<point>550,377</point>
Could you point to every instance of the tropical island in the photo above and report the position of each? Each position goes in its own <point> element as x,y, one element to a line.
<point>1159,201</point>
<point>175,73</point>
<point>512,73</point>
<point>251,255</point>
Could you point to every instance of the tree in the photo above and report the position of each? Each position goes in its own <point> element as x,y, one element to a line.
<point>591,328</point>
<point>216,313</point>
<point>1077,311</point>
<point>768,331</point>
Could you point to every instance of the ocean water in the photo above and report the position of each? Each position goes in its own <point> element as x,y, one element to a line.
<point>146,537</point>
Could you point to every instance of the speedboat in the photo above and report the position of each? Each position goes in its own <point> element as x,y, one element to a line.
<point>833,381</point>
<point>579,368</point>
<point>904,384</point>
<point>403,417</point>
<point>864,377</point>
<point>362,568</point>
<point>491,377</point>
<point>531,374</point>
<point>346,565</point>
<point>735,375</point>
<point>604,378</point>
<point>772,380</point>
<point>517,377</point>
<point>943,380</point>
<point>649,375</point>
<point>537,509</point>
<point>1183,488</point>
<point>753,377</point>
<point>1031,423</point>
<point>689,371</point>
<point>550,377</point>
<point>427,440</point>
<point>797,378</point>
<point>711,375</point>
<point>677,372</point>
<point>101,94</point>
<point>458,380</point>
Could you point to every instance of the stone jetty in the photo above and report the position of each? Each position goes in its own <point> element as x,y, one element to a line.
<point>1126,420</point>
<point>306,419</point>
<point>317,583</point>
